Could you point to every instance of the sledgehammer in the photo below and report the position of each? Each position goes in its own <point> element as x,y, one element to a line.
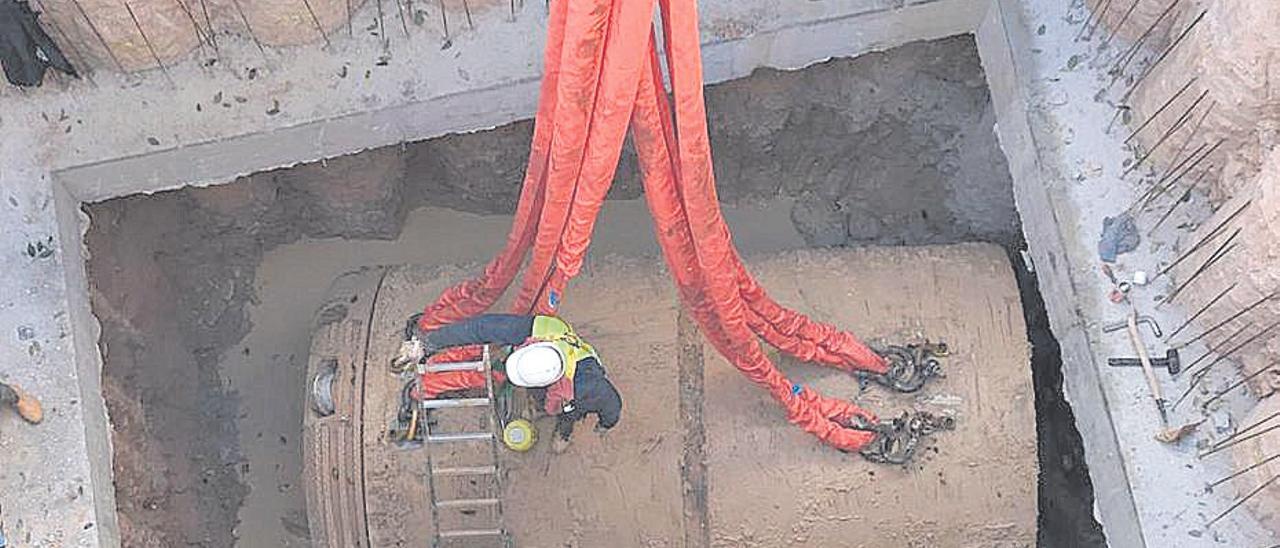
<point>1152,382</point>
<point>1170,361</point>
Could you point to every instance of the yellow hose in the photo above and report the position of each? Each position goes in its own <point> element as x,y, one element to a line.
<point>413,425</point>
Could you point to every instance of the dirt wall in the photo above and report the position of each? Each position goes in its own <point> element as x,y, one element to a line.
<point>166,31</point>
<point>888,148</point>
<point>1222,132</point>
<point>1233,54</point>
<point>1253,267</point>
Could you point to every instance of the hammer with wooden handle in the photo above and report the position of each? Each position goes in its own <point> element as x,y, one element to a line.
<point>1147,370</point>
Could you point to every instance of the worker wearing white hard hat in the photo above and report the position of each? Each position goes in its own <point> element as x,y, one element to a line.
<point>548,357</point>
<point>537,365</point>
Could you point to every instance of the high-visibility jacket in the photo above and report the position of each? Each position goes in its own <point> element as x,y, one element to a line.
<point>558,332</point>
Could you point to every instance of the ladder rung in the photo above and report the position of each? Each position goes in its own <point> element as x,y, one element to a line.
<point>455,366</point>
<point>464,436</point>
<point>455,402</point>
<point>466,471</point>
<point>462,503</point>
<point>463,533</point>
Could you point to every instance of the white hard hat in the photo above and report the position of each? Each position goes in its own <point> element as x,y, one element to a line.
<point>535,366</point>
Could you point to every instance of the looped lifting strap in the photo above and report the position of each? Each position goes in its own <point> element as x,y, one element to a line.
<point>601,75</point>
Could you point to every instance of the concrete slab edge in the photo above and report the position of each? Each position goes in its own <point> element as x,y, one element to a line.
<point>1003,46</point>
<point>221,161</point>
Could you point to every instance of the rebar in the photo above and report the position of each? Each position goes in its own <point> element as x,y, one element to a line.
<point>1132,52</point>
<point>1195,130</point>
<point>1160,110</point>
<point>466,8</point>
<point>316,20</point>
<point>1221,357</point>
<point>1186,197</point>
<point>350,31</point>
<point>200,39</point>
<point>147,41</point>
<point>1209,486</point>
<point>1207,237</point>
<point>1123,19</point>
<point>1203,309</point>
<point>1169,132</point>
<point>1194,164</point>
<point>1151,68</point>
<point>1237,504</point>
<point>208,24</point>
<point>444,20</point>
<point>106,46</point>
<point>1102,12</point>
<point>1213,259</point>
<point>382,27</point>
<point>1251,426</point>
<point>404,24</point>
<point>1157,189</point>
<point>248,27</point>
<point>1229,319</point>
<point>1237,384</point>
<point>1223,344</point>
<point>1237,440</point>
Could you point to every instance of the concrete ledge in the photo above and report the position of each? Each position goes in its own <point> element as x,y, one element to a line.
<point>789,46</point>
<point>1003,45</point>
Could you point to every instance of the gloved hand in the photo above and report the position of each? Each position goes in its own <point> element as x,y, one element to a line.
<point>411,352</point>
<point>411,330</point>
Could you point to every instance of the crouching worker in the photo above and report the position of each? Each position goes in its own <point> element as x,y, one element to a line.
<point>562,372</point>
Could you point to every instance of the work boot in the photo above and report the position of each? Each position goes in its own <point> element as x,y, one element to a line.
<point>411,352</point>
<point>28,406</point>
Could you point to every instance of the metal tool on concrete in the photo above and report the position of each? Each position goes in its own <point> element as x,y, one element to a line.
<point>1170,361</point>
<point>1122,324</point>
<point>1135,338</point>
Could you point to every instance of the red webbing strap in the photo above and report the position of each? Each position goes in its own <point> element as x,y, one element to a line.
<point>628,34</point>
<point>711,243</point>
<point>586,29</point>
<point>477,295</point>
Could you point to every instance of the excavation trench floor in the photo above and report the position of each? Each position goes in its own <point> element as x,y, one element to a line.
<point>702,457</point>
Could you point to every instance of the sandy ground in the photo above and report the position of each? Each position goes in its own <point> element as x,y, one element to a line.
<point>267,371</point>
<point>760,481</point>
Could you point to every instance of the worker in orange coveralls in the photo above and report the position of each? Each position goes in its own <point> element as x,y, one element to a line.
<point>563,371</point>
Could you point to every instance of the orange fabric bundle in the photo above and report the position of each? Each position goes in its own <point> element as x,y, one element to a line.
<point>602,75</point>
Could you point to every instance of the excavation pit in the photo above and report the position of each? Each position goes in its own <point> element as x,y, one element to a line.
<point>206,295</point>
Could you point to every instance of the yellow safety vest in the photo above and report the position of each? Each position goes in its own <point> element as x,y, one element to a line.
<point>557,331</point>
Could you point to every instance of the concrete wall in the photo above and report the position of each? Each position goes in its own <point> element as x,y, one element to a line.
<point>1068,170</point>
<point>1003,43</point>
<point>199,123</point>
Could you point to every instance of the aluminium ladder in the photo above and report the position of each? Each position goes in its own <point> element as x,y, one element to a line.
<point>494,532</point>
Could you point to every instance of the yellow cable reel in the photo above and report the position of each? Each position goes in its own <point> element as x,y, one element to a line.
<point>519,435</point>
